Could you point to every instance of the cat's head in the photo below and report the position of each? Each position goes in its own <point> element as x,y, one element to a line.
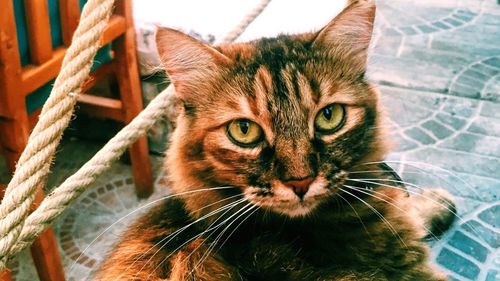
<point>282,120</point>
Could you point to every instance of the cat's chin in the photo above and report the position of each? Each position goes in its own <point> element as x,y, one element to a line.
<point>296,210</point>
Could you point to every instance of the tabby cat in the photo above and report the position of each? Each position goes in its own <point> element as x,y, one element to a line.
<point>276,163</point>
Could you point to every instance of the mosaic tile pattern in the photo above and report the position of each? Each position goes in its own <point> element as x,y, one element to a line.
<point>439,66</point>
<point>425,45</point>
<point>92,225</point>
<point>449,142</point>
<point>446,15</point>
<point>441,62</point>
<point>479,80</point>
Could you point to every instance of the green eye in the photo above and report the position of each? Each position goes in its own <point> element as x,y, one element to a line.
<point>244,132</point>
<point>330,119</point>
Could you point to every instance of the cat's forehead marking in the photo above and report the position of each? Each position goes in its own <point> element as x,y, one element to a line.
<point>283,93</point>
<point>308,94</point>
<point>291,80</point>
<point>263,87</point>
<point>292,90</point>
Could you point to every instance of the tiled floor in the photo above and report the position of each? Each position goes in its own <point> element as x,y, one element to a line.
<point>438,64</point>
<point>106,207</point>
<point>445,141</point>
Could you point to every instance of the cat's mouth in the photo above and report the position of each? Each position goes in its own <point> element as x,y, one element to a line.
<point>281,199</point>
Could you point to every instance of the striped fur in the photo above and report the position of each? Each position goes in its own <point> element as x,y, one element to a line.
<point>281,84</point>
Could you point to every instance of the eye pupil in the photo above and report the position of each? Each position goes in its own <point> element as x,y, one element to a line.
<point>244,132</point>
<point>330,119</point>
<point>244,125</point>
<point>327,112</point>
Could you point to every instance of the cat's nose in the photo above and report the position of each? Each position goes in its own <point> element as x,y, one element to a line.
<point>300,187</point>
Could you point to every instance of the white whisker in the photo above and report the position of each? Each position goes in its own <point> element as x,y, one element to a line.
<point>234,230</point>
<point>225,208</point>
<point>214,243</point>
<point>380,171</point>
<point>174,234</point>
<point>210,228</point>
<point>355,212</point>
<point>370,180</point>
<point>430,199</point>
<point>415,164</point>
<point>138,209</point>
<point>386,201</point>
<point>391,228</point>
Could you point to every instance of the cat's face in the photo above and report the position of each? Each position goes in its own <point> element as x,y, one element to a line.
<point>282,120</point>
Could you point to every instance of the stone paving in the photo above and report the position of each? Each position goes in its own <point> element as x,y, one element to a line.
<point>438,64</point>
<point>450,142</point>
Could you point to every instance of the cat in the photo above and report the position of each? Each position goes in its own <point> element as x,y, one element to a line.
<point>276,163</point>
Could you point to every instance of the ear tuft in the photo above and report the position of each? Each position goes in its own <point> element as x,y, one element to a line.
<point>351,30</point>
<point>186,59</point>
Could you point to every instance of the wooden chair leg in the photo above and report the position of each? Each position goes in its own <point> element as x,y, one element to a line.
<point>46,257</point>
<point>45,251</point>
<point>141,168</point>
<point>130,94</point>
<point>6,275</point>
<point>127,75</point>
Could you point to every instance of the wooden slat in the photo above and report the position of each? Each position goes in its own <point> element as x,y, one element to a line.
<point>127,75</point>
<point>14,131</point>
<point>70,15</point>
<point>101,112</point>
<point>10,62</point>
<point>101,107</point>
<point>38,23</point>
<point>33,77</point>
<point>117,26</point>
<point>14,127</point>
<point>102,72</point>
<point>100,101</point>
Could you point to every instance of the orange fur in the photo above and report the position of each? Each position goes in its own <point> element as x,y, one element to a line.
<point>338,228</point>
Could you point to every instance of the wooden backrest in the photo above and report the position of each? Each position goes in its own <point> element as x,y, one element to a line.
<point>10,63</point>
<point>45,61</point>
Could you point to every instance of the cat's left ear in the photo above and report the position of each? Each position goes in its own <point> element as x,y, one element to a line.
<point>350,31</point>
<point>185,59</point>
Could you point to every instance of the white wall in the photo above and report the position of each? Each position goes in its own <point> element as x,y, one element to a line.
<point>218,17</point>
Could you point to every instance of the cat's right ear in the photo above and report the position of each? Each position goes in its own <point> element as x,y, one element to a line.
<point>185,59</point>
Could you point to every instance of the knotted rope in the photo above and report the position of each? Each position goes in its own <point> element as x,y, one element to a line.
<point>17,229</point>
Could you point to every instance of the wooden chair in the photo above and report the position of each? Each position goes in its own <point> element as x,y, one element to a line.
<point>18,81</point>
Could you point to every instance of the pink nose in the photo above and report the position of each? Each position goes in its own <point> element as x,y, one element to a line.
<point>300,187</point>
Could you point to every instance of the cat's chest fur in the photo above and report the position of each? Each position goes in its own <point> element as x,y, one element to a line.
<point>279,247</point>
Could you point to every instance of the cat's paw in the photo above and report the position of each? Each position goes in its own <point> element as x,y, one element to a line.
<point>438,209</point>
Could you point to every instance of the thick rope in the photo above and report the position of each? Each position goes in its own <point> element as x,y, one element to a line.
<point>17,230</point>
<point>57,201</point>
<point>33,166</point>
